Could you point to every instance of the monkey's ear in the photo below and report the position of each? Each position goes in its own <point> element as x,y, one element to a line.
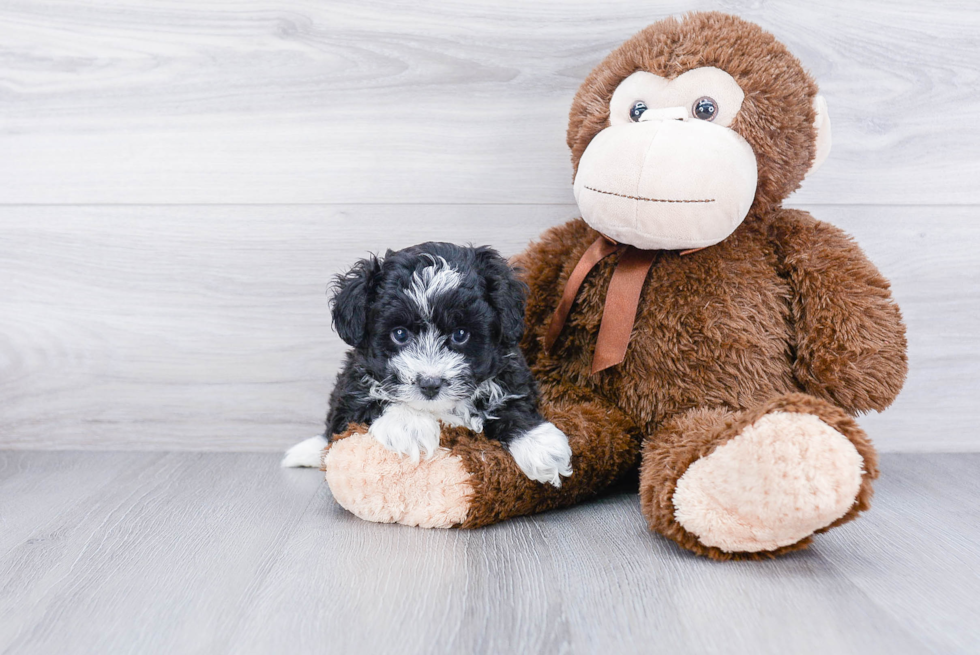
<point>821,124</point>
<point>505,293</point>
<point>352,295</point>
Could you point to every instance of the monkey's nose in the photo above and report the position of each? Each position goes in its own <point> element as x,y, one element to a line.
<point>430,386</point>
<point>664,114</point>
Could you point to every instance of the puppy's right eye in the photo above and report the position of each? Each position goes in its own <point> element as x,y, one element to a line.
<point>401,336</point>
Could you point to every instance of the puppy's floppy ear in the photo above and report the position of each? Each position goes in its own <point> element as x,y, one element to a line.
<point>352,295</point>
<point>505,293</point>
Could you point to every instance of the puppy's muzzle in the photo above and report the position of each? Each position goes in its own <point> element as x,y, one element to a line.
<point>430,386</point>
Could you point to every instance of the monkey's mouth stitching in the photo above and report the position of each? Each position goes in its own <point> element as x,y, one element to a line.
<point>623,195</point>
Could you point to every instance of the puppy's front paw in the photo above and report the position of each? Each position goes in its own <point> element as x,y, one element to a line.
<point>407,432</point>
<point>306,453</point>
<point>543,454</point>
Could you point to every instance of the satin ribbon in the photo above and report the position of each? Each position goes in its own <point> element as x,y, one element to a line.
<point>622,299</point>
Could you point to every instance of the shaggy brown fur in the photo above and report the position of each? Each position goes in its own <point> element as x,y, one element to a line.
<point>785,306</point>
<point>786,314</point>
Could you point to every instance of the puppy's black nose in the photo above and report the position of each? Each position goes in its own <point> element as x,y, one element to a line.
<point>430,386</point>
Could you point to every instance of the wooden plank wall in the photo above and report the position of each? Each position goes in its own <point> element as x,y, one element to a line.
<point>179,180</point>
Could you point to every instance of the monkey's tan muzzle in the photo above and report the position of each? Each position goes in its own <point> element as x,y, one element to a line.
<point>667,182</point>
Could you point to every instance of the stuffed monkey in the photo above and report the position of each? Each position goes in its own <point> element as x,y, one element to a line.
<point>687,325</point>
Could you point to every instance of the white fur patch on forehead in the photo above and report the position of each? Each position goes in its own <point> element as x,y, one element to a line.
<point>431,281</point>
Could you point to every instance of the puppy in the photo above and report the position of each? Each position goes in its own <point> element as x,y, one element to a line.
<point>434,331</point>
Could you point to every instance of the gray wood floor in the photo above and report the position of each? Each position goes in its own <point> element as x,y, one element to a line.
<point>205,552</point>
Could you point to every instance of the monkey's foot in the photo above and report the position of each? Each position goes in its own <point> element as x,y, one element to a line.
<point>376,484</point>
<point>780,479</point>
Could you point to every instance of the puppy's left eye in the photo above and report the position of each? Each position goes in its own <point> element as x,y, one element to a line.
<point>460,336</point>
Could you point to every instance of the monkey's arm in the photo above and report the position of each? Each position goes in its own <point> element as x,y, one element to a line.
<point>849,336</point>
<point>544,266</point>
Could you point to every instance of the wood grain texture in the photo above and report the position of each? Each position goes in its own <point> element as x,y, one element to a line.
<point>207,328</point>
<point>186,552</point>
<point>919,503</point>
<point>173,537</point>
<point>300,101</point>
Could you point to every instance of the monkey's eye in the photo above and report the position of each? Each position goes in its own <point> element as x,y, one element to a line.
<point>637,110</point>
<point>401,336</point>
<point>460,336</point>
<point>705,108</point>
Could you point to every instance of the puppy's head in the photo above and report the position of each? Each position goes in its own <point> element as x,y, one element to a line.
<point>430,322</point>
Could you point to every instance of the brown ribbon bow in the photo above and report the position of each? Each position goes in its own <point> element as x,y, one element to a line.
<point>622,299</point>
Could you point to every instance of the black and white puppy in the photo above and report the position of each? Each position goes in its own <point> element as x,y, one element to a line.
<point>435,331</point>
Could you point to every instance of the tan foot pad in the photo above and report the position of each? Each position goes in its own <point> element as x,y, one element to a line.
<point>784,477</point>
<point>376,484</point>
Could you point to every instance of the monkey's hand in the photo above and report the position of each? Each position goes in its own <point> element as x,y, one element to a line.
<point>376,484</point>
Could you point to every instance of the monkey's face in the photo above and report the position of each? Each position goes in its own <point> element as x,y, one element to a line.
<point>690,125</point>
<point>669,172</point>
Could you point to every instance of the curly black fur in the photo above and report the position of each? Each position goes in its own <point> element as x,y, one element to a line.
<point>487,301</point>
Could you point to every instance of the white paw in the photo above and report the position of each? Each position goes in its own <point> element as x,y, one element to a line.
<point>543,454</point>
<point>407,431</point>
<point>305,453</point>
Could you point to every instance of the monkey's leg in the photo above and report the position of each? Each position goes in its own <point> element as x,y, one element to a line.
<point>755,483</point>
<point>472,481</point>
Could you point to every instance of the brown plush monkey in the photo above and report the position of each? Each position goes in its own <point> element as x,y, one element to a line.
<point>688,324</point>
